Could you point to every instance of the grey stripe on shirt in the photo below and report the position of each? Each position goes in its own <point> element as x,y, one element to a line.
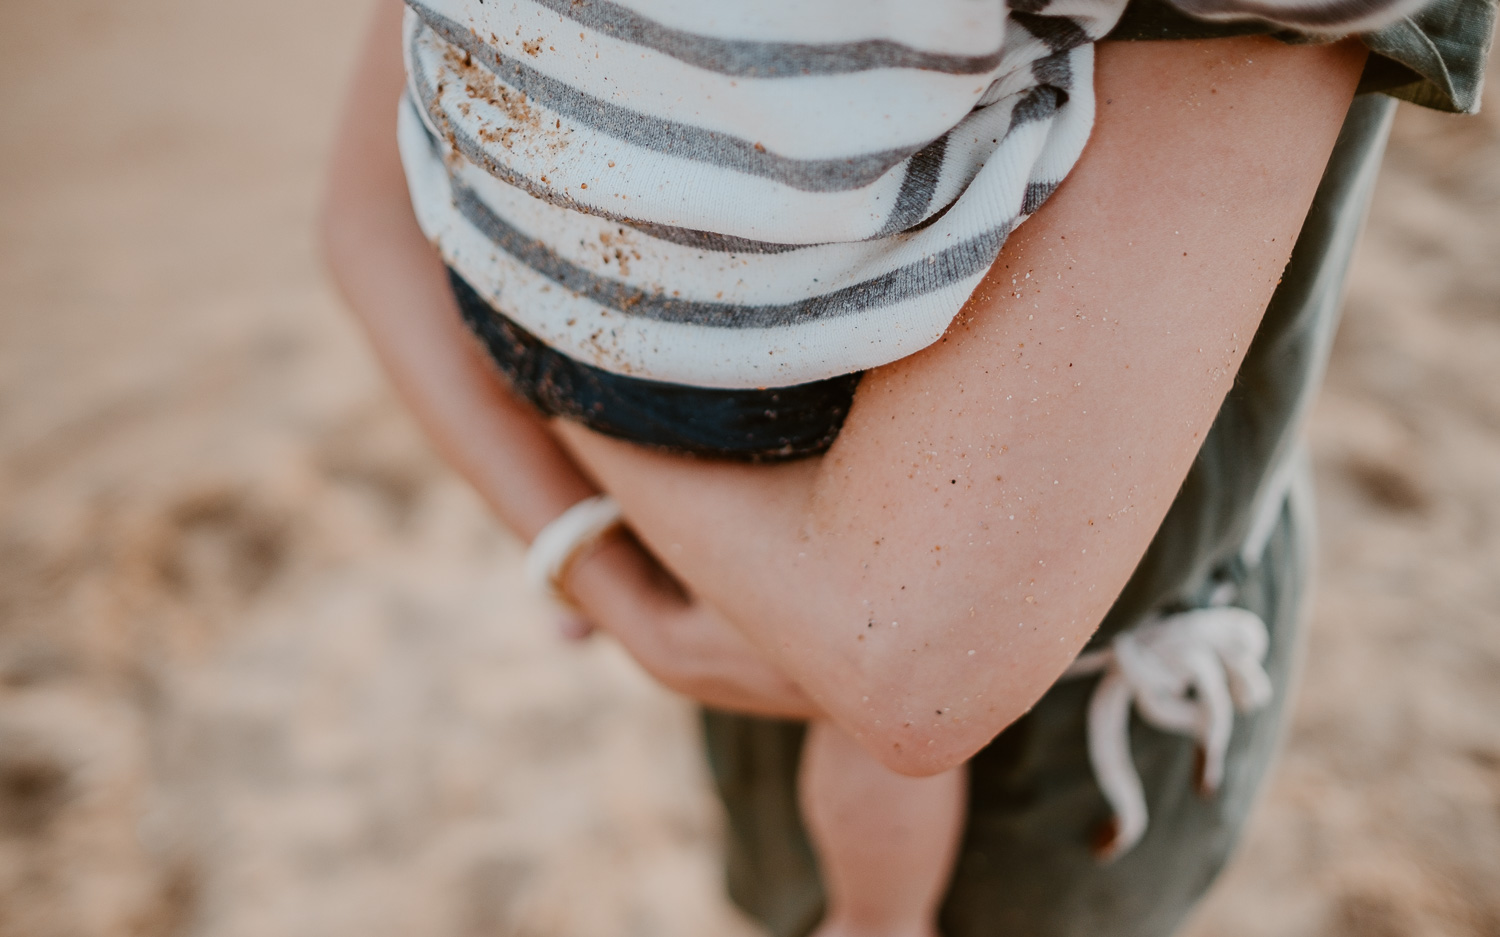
<point>964,259</point>
<point>1058,32</point>
<point>671,137</point>
<point>923,171</point>
<point>476,154</point>
<point>755,59</point>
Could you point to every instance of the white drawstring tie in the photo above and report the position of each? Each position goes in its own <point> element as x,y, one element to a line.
<point>1186,673</point>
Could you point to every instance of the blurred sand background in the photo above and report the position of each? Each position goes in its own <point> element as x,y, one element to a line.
<point>267,669</point>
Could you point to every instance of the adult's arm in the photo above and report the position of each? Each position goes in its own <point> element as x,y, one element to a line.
<point>929,578</point>
<point>397,287</point>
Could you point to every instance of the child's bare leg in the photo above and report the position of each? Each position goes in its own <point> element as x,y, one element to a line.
<point>885,842</point>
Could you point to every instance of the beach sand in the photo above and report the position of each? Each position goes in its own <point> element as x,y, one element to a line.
<point>267,668</point>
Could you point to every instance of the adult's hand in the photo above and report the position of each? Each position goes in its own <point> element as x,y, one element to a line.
<point>684,643</point>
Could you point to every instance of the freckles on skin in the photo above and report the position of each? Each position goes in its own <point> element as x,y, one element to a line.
<point>992,493</point>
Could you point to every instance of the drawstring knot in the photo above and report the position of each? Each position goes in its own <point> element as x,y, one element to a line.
<point>1186,673</point>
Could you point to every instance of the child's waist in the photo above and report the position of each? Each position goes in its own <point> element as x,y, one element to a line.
<point>757,425</point>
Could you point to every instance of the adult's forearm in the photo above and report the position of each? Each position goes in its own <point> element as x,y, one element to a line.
<point>929,578</point>
<point>687,646</point>
<point>397,287</point>
<point>509,456</point>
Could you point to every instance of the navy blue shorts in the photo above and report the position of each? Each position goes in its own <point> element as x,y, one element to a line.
<point>756,425</point>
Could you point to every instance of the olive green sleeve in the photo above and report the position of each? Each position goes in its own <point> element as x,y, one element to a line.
<point>1435,58</point>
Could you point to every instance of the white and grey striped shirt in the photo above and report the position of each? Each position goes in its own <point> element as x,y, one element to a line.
<point>756,193</point>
